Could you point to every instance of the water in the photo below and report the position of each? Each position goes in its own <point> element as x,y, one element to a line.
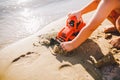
<point>22,18</point>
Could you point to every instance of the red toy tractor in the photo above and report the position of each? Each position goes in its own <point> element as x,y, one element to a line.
<point>71,30</point>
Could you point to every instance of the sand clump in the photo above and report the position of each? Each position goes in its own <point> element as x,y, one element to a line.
<point>50,41</point>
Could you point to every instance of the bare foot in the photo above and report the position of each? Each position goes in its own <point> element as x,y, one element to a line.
<point>116,42</point>
<point>110,29</point>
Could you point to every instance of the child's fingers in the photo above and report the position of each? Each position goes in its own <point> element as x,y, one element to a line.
<point>63,47</point>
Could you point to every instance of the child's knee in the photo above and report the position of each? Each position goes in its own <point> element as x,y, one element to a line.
<point>118,23</point>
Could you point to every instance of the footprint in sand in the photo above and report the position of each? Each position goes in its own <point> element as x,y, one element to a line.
<point>64,66</point>
<point>27,58</point>
<point>67,70</point>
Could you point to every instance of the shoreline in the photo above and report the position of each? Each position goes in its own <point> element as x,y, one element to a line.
<point>31,16</point>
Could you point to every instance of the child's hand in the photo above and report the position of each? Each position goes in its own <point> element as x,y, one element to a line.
<point>77,14</point>
<point>67,46</point>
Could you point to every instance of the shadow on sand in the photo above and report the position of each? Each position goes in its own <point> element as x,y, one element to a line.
<point>81,56</point>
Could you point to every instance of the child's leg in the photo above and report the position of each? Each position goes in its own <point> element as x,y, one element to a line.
<point>112,18</point>
<point>116,42</point>
<point>118,24</point>
<point>109,29</point>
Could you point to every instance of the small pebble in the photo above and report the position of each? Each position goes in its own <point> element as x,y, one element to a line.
<point>108,36</point>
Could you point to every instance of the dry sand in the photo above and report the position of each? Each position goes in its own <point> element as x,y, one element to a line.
<point>27,59</point>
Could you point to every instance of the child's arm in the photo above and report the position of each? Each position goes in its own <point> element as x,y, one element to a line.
<point>103,10</point>
<point>90,6</point>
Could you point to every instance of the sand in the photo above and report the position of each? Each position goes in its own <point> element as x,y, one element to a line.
<point>27,59</point>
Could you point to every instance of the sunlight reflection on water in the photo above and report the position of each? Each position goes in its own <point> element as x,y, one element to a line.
<point>32,23</point>
<point>21,1</point>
